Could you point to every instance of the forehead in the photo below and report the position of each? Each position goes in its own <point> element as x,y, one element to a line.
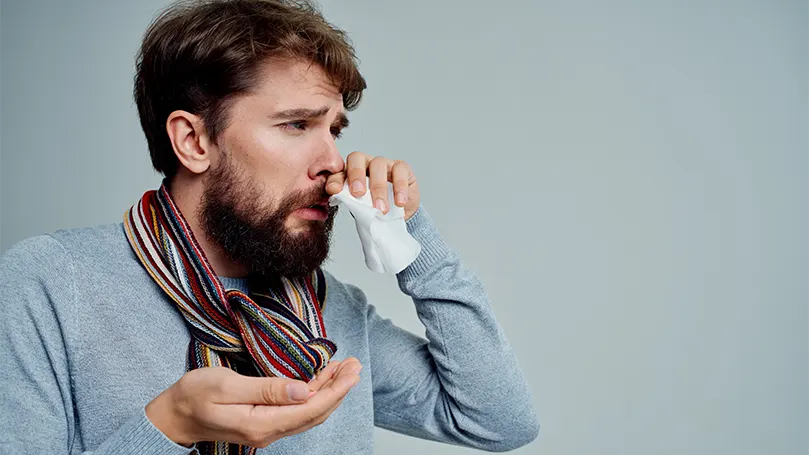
<point>285,84</point>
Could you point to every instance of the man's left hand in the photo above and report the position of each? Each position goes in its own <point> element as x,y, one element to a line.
<point>381,170</point>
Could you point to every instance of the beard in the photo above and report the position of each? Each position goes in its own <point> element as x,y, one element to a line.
<point>240,220</point>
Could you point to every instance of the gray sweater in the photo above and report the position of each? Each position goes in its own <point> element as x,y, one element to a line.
<point>87,339</point>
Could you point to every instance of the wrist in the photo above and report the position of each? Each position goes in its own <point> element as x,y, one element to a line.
<point>161,412</point>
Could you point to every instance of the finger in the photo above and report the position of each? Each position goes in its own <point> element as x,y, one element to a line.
<point>334,183</point>
<point>320,419</point>
<point>294,419</point>
<point>400,176</point>
<point>299,415</point>
<point>357,169</point>
<point>324,375</point>
<point>378,182</point>
<point>349,366</point>
<point>314,422</point>
<point>238,389</point>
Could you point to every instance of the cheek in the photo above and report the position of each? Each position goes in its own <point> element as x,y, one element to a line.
<point>280,163</point>
<point>294,156</point>
<point>267,155</point>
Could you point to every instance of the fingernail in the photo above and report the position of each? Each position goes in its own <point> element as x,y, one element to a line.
<point>312,392</point>
<point>356,186</point>
<point>380,204</point>
<point>333,185</point>
<point>401,197</point>
<point>297,391</point>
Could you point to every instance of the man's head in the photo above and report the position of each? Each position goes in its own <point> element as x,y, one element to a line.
<point>241,103</point>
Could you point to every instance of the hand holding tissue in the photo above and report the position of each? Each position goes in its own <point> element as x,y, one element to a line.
<point>387,245</point>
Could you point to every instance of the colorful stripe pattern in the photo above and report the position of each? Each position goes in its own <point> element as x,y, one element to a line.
<point>278,333</point>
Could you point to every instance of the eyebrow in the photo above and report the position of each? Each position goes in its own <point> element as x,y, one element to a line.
<point>306,113</point>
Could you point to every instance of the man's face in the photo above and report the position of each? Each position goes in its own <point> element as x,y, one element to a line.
<point>265,203</point>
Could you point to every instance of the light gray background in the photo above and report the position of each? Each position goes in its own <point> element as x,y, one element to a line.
<point>628,177</point>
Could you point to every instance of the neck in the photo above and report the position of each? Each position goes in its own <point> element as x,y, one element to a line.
<point>187,193</point>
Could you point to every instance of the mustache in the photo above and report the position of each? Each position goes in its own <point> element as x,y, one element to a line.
<point>306,198</point>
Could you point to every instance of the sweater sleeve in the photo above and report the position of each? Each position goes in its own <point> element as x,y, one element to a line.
<point>460,385</point>
<point>36,402</point>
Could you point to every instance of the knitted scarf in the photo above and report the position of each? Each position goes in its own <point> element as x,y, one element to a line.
<point>277,332</point>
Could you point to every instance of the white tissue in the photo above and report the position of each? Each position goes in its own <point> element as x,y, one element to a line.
<point>387,245</point>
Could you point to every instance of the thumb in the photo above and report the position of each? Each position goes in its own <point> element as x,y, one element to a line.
<point>334,183</point>
<point>267,391</point>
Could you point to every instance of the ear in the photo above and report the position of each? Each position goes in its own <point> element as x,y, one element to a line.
<point>190,141</point>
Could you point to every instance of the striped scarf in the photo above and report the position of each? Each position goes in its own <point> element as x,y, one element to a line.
<point>278,332</point>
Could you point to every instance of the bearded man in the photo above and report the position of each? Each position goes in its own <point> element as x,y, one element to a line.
<point>203,322</point>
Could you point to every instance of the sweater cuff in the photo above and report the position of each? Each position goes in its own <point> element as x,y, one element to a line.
<point>139,436</point>
<point>433,246</point>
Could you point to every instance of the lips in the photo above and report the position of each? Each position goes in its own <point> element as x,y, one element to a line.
<point>323,204</point>
<point>318,207</point>
<point>319,211</point>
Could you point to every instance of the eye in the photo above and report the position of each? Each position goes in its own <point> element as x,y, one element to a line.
<point>298,125</point>
<point>337,133</point>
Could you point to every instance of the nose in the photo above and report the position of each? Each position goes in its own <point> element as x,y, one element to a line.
<point>328,160</point>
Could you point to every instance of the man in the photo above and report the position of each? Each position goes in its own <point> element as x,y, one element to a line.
<point>204,322</point>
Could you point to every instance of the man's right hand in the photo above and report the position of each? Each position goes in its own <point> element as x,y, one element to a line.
<point>218,404</point>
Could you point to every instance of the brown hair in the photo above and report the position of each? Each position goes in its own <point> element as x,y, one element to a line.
<point>198,56</point>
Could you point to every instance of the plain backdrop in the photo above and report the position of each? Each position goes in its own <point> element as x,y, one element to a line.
<point>629,178</point>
